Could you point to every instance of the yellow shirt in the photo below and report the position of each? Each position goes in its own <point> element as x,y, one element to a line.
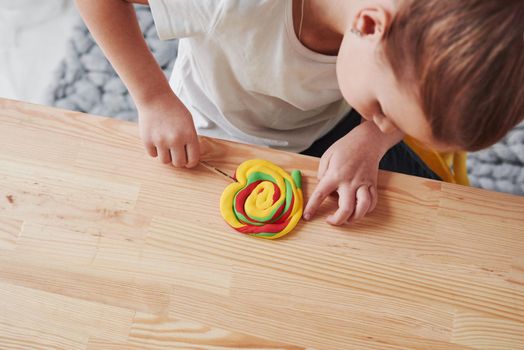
<point>450,167</point>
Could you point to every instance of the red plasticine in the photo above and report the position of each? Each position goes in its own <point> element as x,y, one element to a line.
<point>287,213</point>
<point>277,226</point>
<point>243,194</point>
<point>270,220</point>
<point>267,228</point>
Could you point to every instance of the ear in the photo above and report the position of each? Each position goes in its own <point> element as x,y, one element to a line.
<point>384,124</point>
<point>372,21</point>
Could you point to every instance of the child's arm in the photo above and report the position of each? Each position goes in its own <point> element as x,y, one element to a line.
<point>166,126</point>
<point>350,167</point>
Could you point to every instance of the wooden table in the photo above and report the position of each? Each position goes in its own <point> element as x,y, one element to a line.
<point>103,247</point>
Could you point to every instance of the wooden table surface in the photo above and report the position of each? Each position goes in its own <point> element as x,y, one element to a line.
<point>103,247</point>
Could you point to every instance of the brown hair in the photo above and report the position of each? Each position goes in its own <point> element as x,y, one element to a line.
<point>466,58</point>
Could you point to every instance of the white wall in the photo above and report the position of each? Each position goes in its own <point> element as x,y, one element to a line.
<point>33,36</point>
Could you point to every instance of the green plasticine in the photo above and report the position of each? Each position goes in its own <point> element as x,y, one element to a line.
<point>263,234</point>
<point>255,176</point>
<point>297,178</point>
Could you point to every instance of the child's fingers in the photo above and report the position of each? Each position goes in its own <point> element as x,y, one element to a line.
<point>193,154</point>
<point>346,205</point>
<point>374,198</point>
<point>363,203</point>
<point>324,189</point>
<point>151,149</point>
<point>164,155</point>
<point>178,156</point>
<point>323,166</point>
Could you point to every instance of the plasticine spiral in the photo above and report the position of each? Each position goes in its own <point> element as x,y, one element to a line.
<point>265,201</point>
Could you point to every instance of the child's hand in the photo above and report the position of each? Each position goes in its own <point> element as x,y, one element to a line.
<point>350,167</point>
<point>167,130</point>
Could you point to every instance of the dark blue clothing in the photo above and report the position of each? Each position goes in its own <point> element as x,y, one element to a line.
<point>400,158</point>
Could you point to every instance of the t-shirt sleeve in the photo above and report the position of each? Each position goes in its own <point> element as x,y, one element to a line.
<point>185,18</point>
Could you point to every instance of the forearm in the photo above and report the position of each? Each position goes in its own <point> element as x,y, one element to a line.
<point>375,138</point>
<point>386,141</point>
<point>368,135</point>
<point>114,26</point>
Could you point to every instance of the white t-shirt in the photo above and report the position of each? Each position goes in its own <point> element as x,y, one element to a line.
<point>244,75</point>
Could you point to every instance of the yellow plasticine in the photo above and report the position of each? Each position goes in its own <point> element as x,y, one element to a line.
<point>259,203</point>
<point>226,209</point>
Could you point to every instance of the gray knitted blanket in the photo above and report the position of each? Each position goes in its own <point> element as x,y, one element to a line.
<point>86,82</point>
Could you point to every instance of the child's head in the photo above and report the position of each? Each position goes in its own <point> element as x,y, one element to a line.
<point>448,72</point>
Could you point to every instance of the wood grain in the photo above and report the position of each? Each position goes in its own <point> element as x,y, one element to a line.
<point>102,247</point>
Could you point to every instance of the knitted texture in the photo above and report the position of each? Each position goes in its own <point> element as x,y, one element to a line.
<point>500,167</point>
<point>86,82</point>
